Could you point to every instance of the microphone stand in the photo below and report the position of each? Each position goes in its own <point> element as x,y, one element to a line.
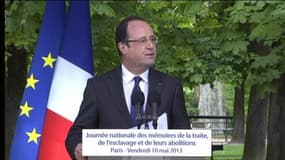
<point>154,123</point>
<point>138,99</point>
<point>154,102</point>
<point>146,126</point>
<point>140,119</point>
<point>139,116</point>
<point>154,115</point>
<point>139,125</point>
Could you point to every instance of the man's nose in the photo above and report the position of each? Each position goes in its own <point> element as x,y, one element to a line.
<point>150,44</point>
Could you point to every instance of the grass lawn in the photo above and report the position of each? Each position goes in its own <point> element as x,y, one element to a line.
<point>230,152</point>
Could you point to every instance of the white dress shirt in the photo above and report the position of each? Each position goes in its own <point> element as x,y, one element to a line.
<point>129,82</point>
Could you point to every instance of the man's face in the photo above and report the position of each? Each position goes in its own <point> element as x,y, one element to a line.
<point>141,49</point>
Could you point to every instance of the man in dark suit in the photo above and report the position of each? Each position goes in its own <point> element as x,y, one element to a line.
<point>107,98</point>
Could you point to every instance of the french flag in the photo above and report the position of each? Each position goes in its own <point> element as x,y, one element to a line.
<point>74,66</point>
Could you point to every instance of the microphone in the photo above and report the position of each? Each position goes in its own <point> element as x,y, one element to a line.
<point>154,102</point>
<point>138,101</point>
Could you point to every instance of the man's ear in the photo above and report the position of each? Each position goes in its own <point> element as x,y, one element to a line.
<point>123,47</point>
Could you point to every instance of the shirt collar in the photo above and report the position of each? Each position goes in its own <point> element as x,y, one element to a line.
<point>128,76</point>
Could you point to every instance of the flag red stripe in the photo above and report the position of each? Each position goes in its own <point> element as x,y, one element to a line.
<point>54,137</point>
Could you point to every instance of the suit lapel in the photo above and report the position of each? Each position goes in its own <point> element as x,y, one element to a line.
<point>116,89</point>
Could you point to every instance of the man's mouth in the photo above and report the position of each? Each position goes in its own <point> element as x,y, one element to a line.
<point>149,54</point>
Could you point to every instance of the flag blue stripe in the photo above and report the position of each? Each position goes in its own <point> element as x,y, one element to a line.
<point>81,48</point>
<point>49,41</point>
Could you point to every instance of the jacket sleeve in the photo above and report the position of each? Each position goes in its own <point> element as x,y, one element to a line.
<point>179,116</point>
<point>86,119</point>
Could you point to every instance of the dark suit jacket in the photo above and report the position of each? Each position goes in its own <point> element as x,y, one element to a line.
<point>104,106</point>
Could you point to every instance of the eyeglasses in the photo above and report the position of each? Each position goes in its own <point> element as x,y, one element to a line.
<point>143,40</point>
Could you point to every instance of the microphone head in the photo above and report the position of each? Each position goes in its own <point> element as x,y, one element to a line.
<point>154,97</point>
<point>137,97</point>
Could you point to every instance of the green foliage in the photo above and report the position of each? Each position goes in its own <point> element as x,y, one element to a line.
<point>22,23</point>
<point>192,103</point>
<point>269,31</point>
<point>261,23</point>
<point>101,8</point>
<point>199,41</point>
<point>265,69</point>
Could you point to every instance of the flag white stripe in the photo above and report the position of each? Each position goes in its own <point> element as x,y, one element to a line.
<point>67,89</point>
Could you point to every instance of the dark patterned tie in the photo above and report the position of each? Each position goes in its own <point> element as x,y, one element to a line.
<point>135,89</point>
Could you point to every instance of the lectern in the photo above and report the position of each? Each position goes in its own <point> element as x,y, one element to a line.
<point>131,144</point>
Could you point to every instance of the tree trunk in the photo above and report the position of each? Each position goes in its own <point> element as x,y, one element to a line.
<point>276,129</point>
<point>238,115</point>
<point>254,147</point>
<point>14,86</point>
